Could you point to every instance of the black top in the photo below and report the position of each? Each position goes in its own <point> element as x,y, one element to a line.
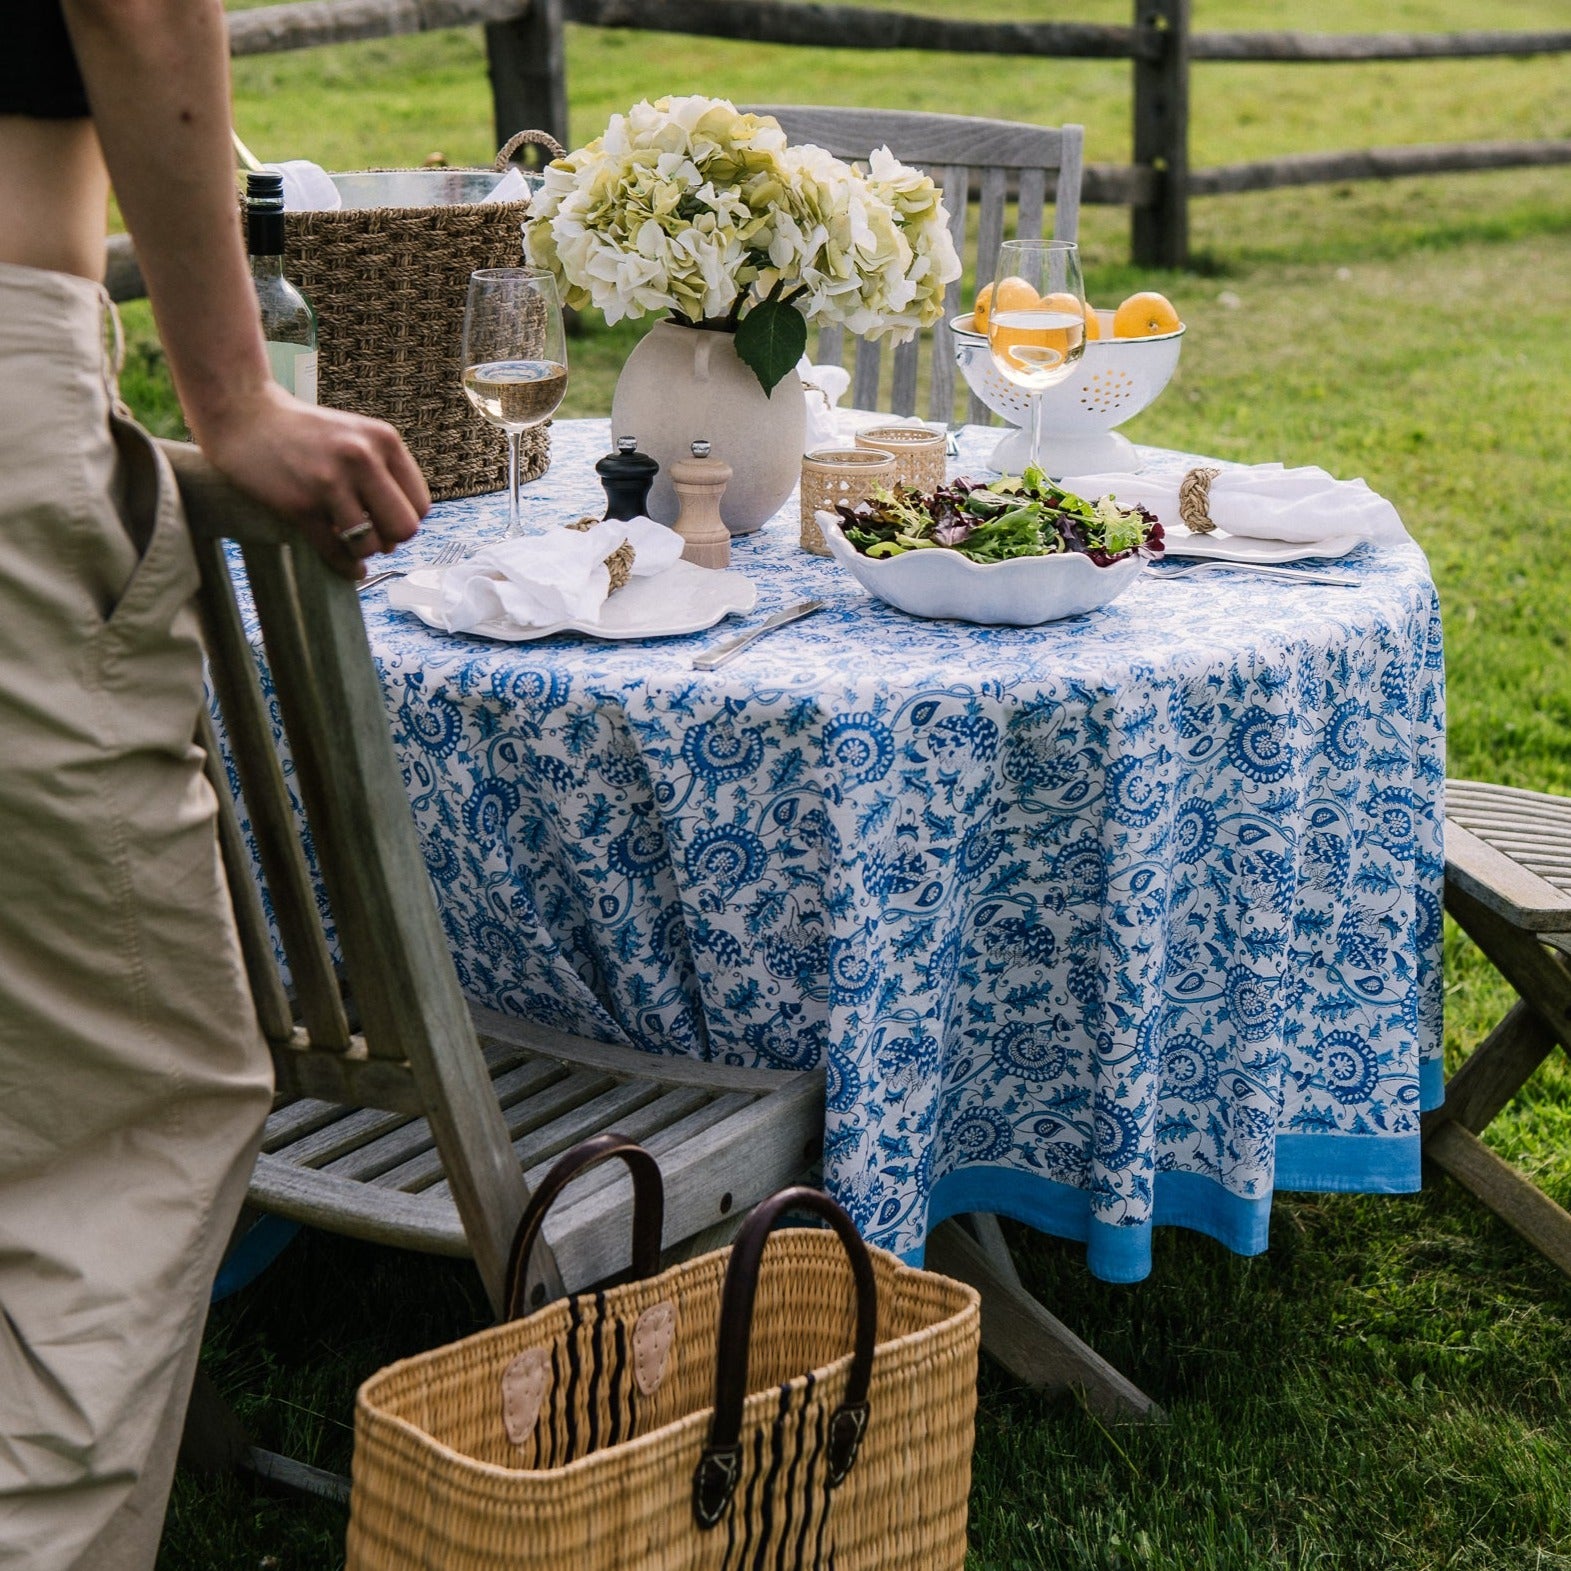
<point>38,73</point>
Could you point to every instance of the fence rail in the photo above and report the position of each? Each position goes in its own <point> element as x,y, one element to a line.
<point>527,66</point>
<point>1329,48</point>
<point>1375,163</point>
<point>310,22</point>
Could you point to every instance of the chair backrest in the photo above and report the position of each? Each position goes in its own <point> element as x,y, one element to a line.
<point>386,1026</point>
<point>979,165</point>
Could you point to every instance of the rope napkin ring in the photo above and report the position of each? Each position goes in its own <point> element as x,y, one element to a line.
<point>1194,496</point>
<point>620,562</point>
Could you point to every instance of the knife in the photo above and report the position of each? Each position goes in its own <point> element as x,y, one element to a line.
<point>718,654</point>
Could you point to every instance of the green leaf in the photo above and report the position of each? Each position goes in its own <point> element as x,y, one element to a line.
<point>770,339</point>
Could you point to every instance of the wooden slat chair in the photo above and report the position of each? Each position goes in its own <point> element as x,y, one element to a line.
<point>403,1116</point>
<point>1508,885</point>
<point>979,165</point>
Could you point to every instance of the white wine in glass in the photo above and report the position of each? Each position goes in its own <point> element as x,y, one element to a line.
<point>515,358</point>
<point>1036,326</point>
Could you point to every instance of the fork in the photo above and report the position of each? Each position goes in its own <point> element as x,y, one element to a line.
<point>452,552</point>
<point>1262,569</point>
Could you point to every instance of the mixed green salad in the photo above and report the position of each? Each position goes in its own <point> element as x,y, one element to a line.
<point>1008,517</point>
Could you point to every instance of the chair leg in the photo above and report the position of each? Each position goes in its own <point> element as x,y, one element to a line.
<point>1029,1342</point>
<point>298,1477</point>
<point>1494,1071</point>
<point>984,1227</point>
<point>1497,1069</point>
<point>1540,975</point>
<point>1519,1204</point>
<point>214,1440</point>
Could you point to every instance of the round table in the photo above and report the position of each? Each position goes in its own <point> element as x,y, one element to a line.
<point>1120,921</point>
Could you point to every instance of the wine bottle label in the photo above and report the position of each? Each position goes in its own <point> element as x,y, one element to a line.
<point>305,376</point>
<point>294,369</point>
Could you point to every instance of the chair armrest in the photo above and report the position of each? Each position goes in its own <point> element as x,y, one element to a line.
<point>1503,885</point>
<point>219,510</point>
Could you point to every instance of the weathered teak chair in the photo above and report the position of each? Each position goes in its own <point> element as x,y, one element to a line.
<point>980,165</point>
<point>1508,884</point>
<point>396,1119</point>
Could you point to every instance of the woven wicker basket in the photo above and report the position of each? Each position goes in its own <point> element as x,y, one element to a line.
<point>388,286</point>
<point>592,1435</point>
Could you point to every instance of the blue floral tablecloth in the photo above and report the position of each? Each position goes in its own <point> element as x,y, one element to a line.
<point>1121,921</point>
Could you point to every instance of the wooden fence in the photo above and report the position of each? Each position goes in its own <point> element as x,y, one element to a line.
<point>527,65</point>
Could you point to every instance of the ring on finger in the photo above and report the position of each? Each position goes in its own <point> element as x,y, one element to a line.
<point>354,532</point>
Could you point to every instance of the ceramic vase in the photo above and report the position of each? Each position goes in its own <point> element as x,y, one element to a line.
<point>686,384</point>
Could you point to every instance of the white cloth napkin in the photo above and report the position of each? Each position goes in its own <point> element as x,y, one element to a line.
<point>823,386</point>
<point>512,187</point>
<point>541,580</point>
<point>1263,502</point>
<point>308,188</point>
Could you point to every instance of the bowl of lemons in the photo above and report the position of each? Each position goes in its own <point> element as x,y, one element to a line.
<point>1130,356</point>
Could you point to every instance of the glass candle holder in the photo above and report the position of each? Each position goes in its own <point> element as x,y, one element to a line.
<point>839,474</point>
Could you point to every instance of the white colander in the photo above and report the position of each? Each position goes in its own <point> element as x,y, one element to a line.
<point>1115,379</point>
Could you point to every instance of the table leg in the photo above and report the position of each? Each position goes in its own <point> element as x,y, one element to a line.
<point>1029,1342</point>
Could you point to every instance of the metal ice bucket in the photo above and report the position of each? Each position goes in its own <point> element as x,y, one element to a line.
<point>421,187</point>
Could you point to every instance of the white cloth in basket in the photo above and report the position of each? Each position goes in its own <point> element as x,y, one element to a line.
<point>1263,502</point>
<point>541,580</point>
<point>308,188</point>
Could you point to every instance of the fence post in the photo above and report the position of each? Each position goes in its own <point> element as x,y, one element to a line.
<point>1159,229</point>
<point>527,60</point>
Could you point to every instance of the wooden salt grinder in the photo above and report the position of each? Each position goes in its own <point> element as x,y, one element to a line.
<point>699,480</point>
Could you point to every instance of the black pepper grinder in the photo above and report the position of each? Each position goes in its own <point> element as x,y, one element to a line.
<point>627,476</point>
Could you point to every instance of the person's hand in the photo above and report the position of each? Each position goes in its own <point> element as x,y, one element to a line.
<point>349,482</point>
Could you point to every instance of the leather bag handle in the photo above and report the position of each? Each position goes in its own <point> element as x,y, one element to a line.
<point>715,1480</point>
<point>648,1210</point>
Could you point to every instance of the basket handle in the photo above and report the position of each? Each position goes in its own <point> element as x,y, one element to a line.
<point>540,138</point>
<point>715,1480</point>
<point>648,1210</point>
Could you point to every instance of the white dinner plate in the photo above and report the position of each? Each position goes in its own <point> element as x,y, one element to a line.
<point>1221,547</point>
<point>683,599</point>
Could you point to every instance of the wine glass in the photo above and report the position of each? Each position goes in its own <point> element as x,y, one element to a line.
<point>1036,325</point>
<point>515,357</point>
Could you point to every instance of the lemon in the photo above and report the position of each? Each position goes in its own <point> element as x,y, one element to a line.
<point>1144,315</point>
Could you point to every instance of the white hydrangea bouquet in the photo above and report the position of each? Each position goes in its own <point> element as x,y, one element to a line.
<point>689,206</point>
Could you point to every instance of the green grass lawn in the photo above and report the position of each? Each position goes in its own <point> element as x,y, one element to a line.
<point>1386,1387</point>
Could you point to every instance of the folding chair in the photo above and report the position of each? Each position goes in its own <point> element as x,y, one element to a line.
<point>1508,885</point>
<point>398,1121</point>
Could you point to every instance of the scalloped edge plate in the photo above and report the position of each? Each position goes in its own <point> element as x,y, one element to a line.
<point>684,598</point>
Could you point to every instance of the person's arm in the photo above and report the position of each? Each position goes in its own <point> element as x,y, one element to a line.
<point>157,75</point>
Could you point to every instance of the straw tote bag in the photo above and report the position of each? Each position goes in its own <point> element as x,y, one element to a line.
<point>709,1416</point>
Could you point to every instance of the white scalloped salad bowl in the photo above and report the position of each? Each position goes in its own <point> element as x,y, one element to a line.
<point>1022,592</point>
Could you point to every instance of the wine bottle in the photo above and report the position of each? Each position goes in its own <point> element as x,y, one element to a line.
<point>288,323</point>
